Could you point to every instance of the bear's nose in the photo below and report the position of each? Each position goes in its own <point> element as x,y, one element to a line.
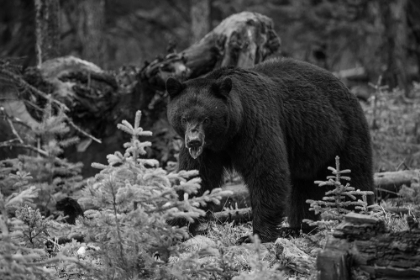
<point>194,143</point>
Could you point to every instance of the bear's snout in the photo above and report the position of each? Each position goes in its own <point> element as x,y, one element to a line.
<point>194,137</point>
<point>194,142</point>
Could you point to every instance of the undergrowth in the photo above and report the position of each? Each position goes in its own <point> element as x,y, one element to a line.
<point>395,127</point>
<point>126,230</point>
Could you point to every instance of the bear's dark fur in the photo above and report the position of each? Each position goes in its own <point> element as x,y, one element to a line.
<point>280,125</point>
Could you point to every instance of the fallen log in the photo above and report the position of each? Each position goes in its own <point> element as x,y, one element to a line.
<point>392,181</point>
<point>293,257</point>
<point>241,40</point>
<point>236,215</point>
<point>385,182</point>
<point>363,241</point>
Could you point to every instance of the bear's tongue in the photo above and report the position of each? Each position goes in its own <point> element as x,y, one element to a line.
<point>195,152</point>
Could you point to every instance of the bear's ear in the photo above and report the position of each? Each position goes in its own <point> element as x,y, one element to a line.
<point>174,87</point>
<point>223,88</point>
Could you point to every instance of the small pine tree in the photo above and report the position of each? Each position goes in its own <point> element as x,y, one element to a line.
<point>29,183</point>
<point>334,204</point>
<point>21,240</point>
<point>54,177</point>
<point>136,198</point>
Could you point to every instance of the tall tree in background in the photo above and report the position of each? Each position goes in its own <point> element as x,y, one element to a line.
<point>413,23</point>
<point>396,42</point>
<point>91,31</point>
<point>338,35</point>
<point>200,19</point>
<point>47,30</point>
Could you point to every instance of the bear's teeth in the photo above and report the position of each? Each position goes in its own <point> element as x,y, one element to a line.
<point>195,152</point>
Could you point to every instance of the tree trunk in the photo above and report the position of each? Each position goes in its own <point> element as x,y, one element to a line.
<point>413,23</point>
<point>395,23</point>
<point>90,30</point>
<point>47,30</point>
<point>200,19</point>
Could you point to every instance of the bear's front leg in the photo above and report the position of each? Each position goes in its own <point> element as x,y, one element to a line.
<point>269,187</point>
<point>209,164</point>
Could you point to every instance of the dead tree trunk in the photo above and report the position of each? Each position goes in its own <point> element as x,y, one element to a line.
<point>362,241</point>
<point>241,40</point>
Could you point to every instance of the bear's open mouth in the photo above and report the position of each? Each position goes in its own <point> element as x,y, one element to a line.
<point>195,151</point>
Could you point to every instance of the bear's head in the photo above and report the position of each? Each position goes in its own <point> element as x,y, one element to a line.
<point>200,111</point>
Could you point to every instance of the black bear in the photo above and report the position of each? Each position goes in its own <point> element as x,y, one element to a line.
<point>280,125</point>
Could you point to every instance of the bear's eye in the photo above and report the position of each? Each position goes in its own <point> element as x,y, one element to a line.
<point>206,121</point>
<point>183,120</point>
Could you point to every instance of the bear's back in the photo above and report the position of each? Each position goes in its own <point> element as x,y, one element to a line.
<point>290,67</point>
<point>290,72</point>
<point>299,81</point>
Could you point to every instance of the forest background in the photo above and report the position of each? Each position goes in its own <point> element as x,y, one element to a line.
<point>358,40</point>
<point>373,46</point>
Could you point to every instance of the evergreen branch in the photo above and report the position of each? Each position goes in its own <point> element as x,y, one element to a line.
<point>9,143</point>
<point>29,147</point>
<point>14,130</point>
<point>21,82</point>
<point>14,119</point>
<point>83,132</point>
<point>3,225</point>
<point>31,104</point>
